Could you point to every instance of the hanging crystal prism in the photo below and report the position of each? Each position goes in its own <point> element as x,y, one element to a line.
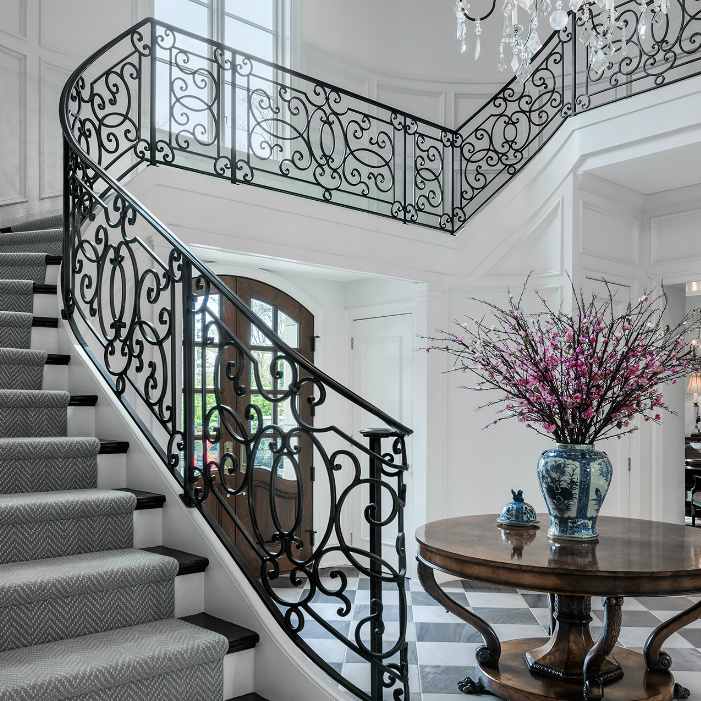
<point>642,23</point>
<point>478,31</point>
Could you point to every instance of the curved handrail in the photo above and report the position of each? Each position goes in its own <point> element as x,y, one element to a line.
<point>182,249</point>
<point>147,313</point>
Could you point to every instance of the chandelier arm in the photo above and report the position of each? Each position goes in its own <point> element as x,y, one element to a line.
<point>484,17</point>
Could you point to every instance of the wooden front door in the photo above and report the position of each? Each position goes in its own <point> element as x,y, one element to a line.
<point>280,460</point>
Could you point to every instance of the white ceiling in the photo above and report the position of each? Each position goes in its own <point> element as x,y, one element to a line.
<point>657,172</point>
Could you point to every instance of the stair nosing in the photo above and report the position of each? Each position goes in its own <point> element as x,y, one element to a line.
<point>108,447</point>
<point>239,638</point>
<point>45,322</point>
<point>43,289</point>
<point>188,563</point>
<point>145,500</point>
<point>83,400</point>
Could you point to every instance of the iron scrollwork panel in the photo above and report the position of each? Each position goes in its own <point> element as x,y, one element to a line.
<point>236,391</point>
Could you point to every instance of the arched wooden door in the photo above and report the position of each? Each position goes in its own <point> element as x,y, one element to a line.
<point>292,482</point>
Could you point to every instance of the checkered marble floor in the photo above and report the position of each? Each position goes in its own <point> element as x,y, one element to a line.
<point>442,648</point>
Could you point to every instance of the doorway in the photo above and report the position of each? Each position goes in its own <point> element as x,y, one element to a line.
<point>382,348</point>
<point>273,473</point>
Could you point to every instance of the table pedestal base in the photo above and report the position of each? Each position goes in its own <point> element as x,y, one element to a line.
<point>512,680</point>
<point>563,656</point>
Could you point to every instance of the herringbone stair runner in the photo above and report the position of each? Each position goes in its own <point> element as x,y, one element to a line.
<point>83,615</point>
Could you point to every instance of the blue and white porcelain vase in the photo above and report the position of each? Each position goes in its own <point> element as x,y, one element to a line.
<point>574,480</point>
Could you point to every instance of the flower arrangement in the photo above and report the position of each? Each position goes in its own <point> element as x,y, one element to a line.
<point>573,377</point>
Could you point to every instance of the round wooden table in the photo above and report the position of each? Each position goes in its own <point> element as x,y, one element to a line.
<point>631,558</point>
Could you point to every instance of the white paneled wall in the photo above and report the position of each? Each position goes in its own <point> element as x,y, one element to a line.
<point>41,42</point>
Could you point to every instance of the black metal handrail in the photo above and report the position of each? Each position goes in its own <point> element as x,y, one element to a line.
<point>147,313</point>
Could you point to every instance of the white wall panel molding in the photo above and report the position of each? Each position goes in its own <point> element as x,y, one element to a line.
<point>467,103</point>
<point>429,104</point>
<point>13,117</point>
<point>536,247</point>
<point>13,18</point>
<point>51,81</point>
<point>344,76</point>
<point>610,234</point>
<point>671,237</point>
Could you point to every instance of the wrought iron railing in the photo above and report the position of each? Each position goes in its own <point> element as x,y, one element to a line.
<point>205,107</point>
<point>149,314</point>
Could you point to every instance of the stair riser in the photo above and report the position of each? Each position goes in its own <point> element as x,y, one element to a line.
<point>72,616</point>
<point>55,377</point>
<point>239,671</point>
<point>52,274</point>
<point>148,529</point>
<point>112,471</point>
<point>37,541</point>
<point>81,421</point>
<point>46,305</point>
<point>44,339</point>
<point>189,594</point>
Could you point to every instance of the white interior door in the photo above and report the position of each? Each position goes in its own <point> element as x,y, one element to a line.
<point>382,352</point>
<point>617,502</point>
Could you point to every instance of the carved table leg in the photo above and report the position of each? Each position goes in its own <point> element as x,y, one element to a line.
<point>489,654</point>
<point>656,659</point>
<point>593,684</point>
<point>563,656</point>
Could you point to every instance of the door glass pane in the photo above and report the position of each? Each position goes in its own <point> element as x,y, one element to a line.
<point>258,11</point>
<point>210,313</point>
<point>210,358</point>
<point>200,414</point>
<point>266,413</point>
<point>264,359</point>
<point>265,312</point>
<point>288,329</point>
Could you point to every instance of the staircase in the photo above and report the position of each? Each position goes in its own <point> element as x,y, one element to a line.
<point>83,614</point>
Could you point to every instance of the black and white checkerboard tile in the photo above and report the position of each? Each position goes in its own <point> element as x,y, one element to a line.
<point>442,648</point>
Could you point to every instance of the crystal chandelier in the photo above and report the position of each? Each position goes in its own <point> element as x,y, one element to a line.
<point>595,20</point>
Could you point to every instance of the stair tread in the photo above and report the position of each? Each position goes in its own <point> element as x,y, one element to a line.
<point>39,446</point>
<point>53,260</point>
<point>42,289</point>
<point>239,638</point>
<point>145,500</point>
<point>112,658</point>
<point>29,507</point>
<point>74,575</point>
<point>188,563</point>
<point>249,697</point>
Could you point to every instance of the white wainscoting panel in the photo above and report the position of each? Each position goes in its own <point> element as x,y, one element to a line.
<point>611,235</point>
<point>57,24</point>
<point>536,248</point>
<point>424,103</point>
<point>13,17</point>
<point>13,116</point>
<point>670,236</point>
<point>53,78</point>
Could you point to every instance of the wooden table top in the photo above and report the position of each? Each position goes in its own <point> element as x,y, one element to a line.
<point>632,558</point>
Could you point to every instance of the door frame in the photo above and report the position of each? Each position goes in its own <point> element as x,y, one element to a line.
<point>416,474</point>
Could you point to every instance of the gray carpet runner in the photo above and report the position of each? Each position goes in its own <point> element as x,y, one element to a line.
<point>83,615</point>
<point>21,368</point>
<point>17,295</point>
<point>15,329</point>
<point>22,266</point>
<point>53,221</point>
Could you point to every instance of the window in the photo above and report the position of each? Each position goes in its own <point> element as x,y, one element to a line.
<point>258,27</point>
<point>186,102</point>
